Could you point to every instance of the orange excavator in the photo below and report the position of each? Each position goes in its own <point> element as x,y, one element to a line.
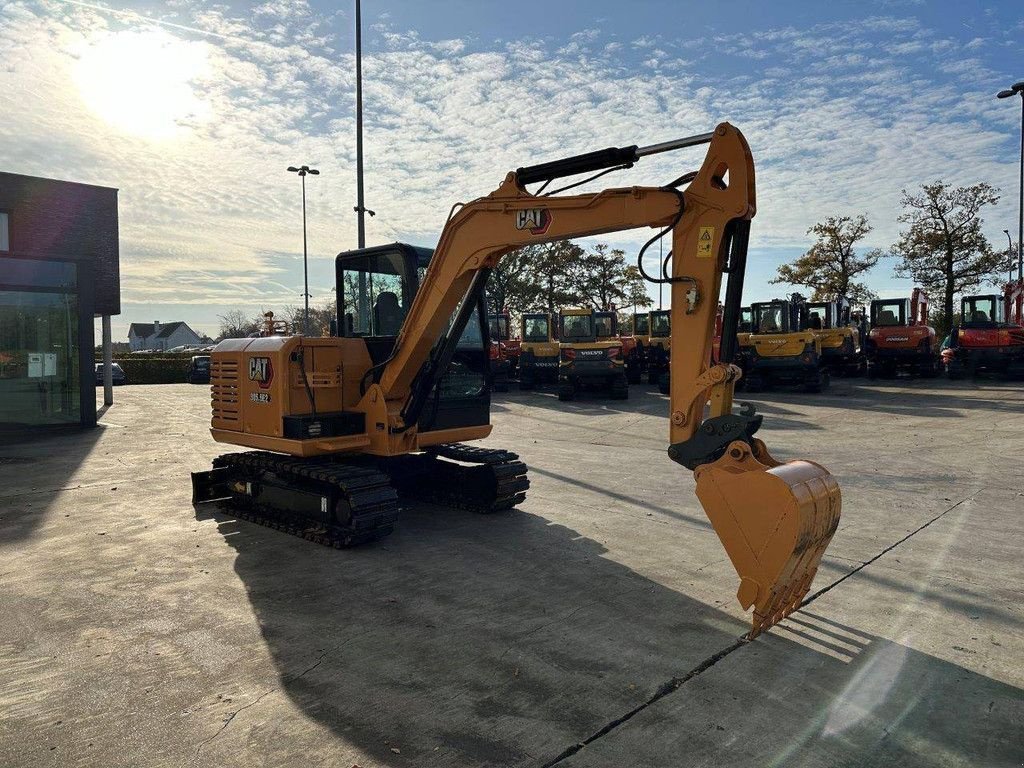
<point>989,337</point>
<point>337,427</point>
<point>901,339</point>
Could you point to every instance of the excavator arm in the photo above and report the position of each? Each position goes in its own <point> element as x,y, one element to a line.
<point>775,520</point>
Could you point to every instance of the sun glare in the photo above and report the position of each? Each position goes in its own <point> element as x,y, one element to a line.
<point>141,82</point>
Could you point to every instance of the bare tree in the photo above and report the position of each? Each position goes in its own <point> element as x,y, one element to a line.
<point>944,249</point>
<point>236,324</point>
<point>830,265</point>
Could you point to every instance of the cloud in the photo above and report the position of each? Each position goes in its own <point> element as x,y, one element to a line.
<point>840,117</point>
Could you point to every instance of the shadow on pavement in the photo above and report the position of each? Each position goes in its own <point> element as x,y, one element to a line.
<point>504,640</point>
<point>32,471</point>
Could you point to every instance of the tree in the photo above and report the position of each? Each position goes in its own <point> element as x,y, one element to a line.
<point>552,268</point>
<point>512,285</point>
<point>635,288</point>
<point>944,249</point>
<point>320,317</point>
<point>236,324</point>
<point>831,264</point>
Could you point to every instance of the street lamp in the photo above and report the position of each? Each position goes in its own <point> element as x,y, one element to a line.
<point>302,170</point>
<point>1009,250</point>
<point>360,207</point>
<point>1017,89</point>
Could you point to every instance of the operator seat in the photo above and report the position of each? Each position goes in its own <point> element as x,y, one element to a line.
<point>979,317</point>
<point>887,317</point>
<point>387,314</point>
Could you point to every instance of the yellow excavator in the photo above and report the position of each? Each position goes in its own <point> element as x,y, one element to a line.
<point>590,354</point>
<point>340,426</point>
<point>538,353</point>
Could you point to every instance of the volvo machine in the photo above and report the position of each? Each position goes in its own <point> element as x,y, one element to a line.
<point>538,351</point>
<point>590,354</point>
<point>336,428</point>
<point>900,338</point>
<point>782,349</point>
<point>841,336</point>
<point>984,341</point>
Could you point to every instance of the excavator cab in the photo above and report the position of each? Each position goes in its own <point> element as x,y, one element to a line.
<point>375,287</point>
<point>981,311</point>
<point>984,341</point>
<point>658,346</point>
<point>839,335</point>
<point>900,338</point>
<point>784,349</point>
<point>590,354</point>
<point>538,357</point>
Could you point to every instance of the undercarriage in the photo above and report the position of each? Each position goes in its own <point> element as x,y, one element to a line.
<point>347,501</point>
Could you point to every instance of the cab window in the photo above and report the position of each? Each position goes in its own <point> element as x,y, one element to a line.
<point>981,310</point>
<point>641,324</point>
<point>771,318</point>
<point>535,328</point>
<point>661,324</point>
<point>376,293</point>
<point>746,320</point>
<point>889,313</point>
<point>604,325</point>
<point>577,327</point>
<point>498,325</point>
<point>818,316</point>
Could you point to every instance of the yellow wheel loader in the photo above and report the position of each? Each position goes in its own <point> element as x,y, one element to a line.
<point>590,354</point>
<point>538,356</point>
<point>338,427</point>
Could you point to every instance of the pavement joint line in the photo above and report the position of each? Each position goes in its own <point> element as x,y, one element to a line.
<point>888,549</point>
<point>676,683</point>
<point>669,687</point>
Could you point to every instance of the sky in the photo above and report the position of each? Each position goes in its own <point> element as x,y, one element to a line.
<point>193,110</point>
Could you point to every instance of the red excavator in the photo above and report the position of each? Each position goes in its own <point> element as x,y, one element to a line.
<point>990,336</point>
<point>901,339</point>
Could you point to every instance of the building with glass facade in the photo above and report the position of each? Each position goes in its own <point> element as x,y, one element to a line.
<point>58,270</point>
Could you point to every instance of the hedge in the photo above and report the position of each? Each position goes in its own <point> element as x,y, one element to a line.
<point>154,370</point>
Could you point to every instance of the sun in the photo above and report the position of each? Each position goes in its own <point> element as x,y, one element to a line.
<point>141,82</point>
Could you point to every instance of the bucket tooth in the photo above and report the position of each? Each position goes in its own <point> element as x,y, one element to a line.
<point>775,521</point>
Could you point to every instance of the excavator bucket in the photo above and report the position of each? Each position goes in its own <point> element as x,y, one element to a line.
<point>774,520</point>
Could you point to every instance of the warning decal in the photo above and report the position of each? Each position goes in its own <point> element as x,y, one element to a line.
<point>705,243</point>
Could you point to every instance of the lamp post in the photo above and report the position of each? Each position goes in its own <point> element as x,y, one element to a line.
<point>1009,250</point>
<point>1017,89</point>
<point>302,170</point>
<point>360,207</point>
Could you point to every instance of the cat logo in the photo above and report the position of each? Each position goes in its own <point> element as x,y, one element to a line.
<point>260,370</point>
<point>534,219</point>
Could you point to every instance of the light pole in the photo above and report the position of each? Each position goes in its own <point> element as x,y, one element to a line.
<point>1009,251</point>
<point>302,170</point>
<point>360,208</point>
<point>1018,90</point>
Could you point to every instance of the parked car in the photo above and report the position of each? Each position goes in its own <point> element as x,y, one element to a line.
<point>199,370</point>
<point>117,375</point>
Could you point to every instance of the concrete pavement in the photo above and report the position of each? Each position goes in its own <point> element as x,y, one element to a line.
<point>138,631</point>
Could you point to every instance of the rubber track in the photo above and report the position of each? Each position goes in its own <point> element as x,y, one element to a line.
<point>495,481</point>
<point>372,499</point>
